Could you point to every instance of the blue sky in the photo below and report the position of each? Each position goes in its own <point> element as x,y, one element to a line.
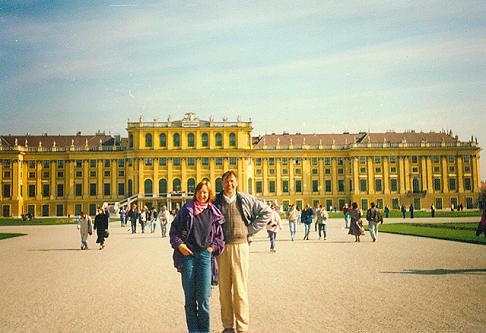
<point>299,66</point>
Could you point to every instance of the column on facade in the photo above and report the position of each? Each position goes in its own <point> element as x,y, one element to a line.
<point>460,174</point>
<point>306,173</point>
<point>114,175</point>
<point>386,175</point>
<point>170,176</point>
<point>53,178</point>
<point>322,182</point>
<point>25,179</point>
<point>85,179</point>
<point>407,174</point>
<point>16,166</point>
<point>371,175</point>
<point>184,177</point>
<point>356,175</point>
<point>424,172</point>
<point>198,170</point>
<point>99,178</point>
<point>291,176</point>
<point>265,175</point>
<point>445,172</point>
<point>401,172</point>
<point>430,175</point>
<point>71,164</point>
<point>155,177</point>
<point>475,174</point>
<point>242,180</point>
<point>334,177</point>
<point>278,181</point>
<point>140,170</point>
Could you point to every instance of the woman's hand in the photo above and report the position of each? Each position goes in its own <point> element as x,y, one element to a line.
<point>184,250</point>
<point>210,249</point>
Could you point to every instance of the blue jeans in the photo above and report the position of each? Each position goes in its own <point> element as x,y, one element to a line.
<point>322,227</point>
<point>293,228</point>
<point>196,282</point>
<point>373,228</point>
<point>153,226</point>
<point>134,226</point>
<point>307,227</point>
<point>346,221</point>
<point>272,235</point>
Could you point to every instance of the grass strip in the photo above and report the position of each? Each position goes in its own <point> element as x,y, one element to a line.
<point>421,230</point>
<point>5,235</point>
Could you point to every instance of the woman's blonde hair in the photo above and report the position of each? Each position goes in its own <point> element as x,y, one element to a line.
<point>208,186</point>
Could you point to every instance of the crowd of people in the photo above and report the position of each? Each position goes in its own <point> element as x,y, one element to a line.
<point>210,237</point>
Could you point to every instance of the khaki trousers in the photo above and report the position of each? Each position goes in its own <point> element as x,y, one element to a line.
<point>233,286</point>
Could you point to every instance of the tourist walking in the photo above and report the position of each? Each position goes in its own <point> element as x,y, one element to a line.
<point>196,235</point>
<point>482,225</point>
<point>387,211</point>
<point>356,226</point>
<point>274,226</point>
<point>101,227</point>
<point>164,217</point>
<point>144,216</point>
<point>432,210</point>
<point>306,216</point>
<point>134,216</point>
<point>346,210</point>
<point>322,217</point>
<point>292,215</point>
<point>153,221</point>
<point>244,216</point>
<point>411,211</point>
<point>85,227</point>
<point>373,217</point>
<point>123,216</point>
<point>403,209</point>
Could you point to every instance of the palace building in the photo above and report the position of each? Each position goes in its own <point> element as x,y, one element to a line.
<point>160,162</point>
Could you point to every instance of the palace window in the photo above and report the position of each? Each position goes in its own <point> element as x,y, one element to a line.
<point>79,174</point>
<point>285,161</point>
<point>233,161</point>
<point>32,164</point>
<point>327,171</point>
<point>121,173</point>
<point>232,139</point>
<point>106,189</point>
<point>271,186</point>
<point>190,140</point>
<point>163,140</point>
<point>436,158</point>
<point>191,161</point>
<point>147,186</point>
<point>79,163</point>
<point>45,190</point>
<point>271,161</point>
<point>298,186</point>
<point>31,190</point>
<point>92,163</point>
<point>378,185</point>
<point>60,190</point>
<point>162,161</point>
<point>31,175</point>
<point>452,159</point>
<point>314,161</point>
<point>315,186</point>
<point>149,161</point>
<point>45,164</point>
<point>362,160</point>
<point>377,159</point>
<point>340,185</point>
<point>6,190</point>
<point>340,161</point>
<point>78,190</point>
<point>219,140</point>
<point>121,163</point>
<point>340,171</point>
<point>271,171</point>
<point>258,161</point>
<point>393,159</point>
<point>121,189</point>
<point>205,140</point>
<point>466,158</point>
<point>285,171</point>
<point>452,184</point>
<point>297,161</point>
<point>259,187</point>
<point>437,185</point>
<point>452,169</point>
<point>177,140</point>
<point>92,189</point>
<point>285,186</point>
<point>191,185</point>
<point>297,171</point>
<point>314,171</point>
<point>327,161</point>
<point>467,183</point>
<point>205,161</point>
<point>415,170</point>
<point>176,161</point>
<point>148,140</point>
<point>60,164</point>
<point>414,159</point>
<point>362,185</point>
<point>162,186</point>
<point>130,141</point>
<point>377,170</point>
<point>92,173</point>
<point>328,185</point>
<point>219,161</point>
<point>393,185</point>
<point>107,173</point>
<point>436,169</point>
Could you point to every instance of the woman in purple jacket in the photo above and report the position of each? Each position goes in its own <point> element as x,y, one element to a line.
<point>196,236</point>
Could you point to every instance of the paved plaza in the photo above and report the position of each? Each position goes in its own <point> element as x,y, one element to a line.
<point>398,284</point>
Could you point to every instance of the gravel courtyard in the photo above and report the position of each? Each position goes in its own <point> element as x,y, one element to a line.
<point>398,284</point>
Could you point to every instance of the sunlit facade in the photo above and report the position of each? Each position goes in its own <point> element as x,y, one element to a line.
<point>160,162</point>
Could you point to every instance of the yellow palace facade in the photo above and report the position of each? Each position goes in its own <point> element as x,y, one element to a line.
<point>160,162</point>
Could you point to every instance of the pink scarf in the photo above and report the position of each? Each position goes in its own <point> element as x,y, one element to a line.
<point>200,206</point>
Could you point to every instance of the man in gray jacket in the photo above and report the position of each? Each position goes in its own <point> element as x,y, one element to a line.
<point>244,216</point>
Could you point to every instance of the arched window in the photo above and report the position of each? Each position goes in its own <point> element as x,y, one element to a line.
<point>162,186</point>
<point>219,140</point>
<point>130,141</point>
<point>190,140</point>
<point>232,139</point>
<point>148,140</point>
<point>147,186</point>
<point>415,185</point>
<point>163,140</point>
<point>176,185</point>
<point>130,189</point>
<point>177,140</point>
<point>205,140</point>
<point>191,185</point>
<point>219,185</point>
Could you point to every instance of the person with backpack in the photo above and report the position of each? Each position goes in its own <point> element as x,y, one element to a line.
<point>322,217</point>
<point>292,216</point>
<point>373,216</point>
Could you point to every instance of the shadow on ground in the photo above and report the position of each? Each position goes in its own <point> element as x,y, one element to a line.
<point>441,271</point>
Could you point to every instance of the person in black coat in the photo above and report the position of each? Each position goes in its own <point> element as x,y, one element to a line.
<point>101,227</point>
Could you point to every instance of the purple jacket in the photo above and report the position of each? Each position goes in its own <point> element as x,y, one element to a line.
<point>183,222</point>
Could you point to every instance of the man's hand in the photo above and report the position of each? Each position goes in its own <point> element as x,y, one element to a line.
<point>184,250</point>
<point>249,238</point>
